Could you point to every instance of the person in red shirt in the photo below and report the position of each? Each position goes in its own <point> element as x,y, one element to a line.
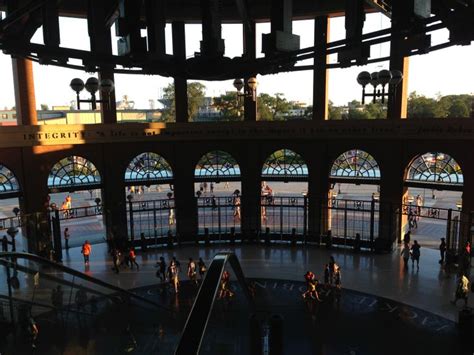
<point>86,251</point>
<point>133,257</point>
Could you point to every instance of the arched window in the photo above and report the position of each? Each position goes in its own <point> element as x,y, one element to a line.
<point>284,164</point>
<point>217,165</point>
<point>8,182</point>
<point>73,171</point>
<point>148,167</point>
<point>435,168</point>
<point>355,164</point>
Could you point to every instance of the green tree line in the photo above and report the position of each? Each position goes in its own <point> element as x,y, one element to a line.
<point>277,107</point>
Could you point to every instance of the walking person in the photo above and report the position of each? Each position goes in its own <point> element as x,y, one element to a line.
<point>176,263</point>
<point>406,255</point>
<point>337,286</point>
<point>407,237</point>
<point>116,260</point>
<point>133,259</point>
<point>86,251</point>
<point>173,275</point>
<point>462,289</point>
<point>4,243</point>
<point>161,273</point>
<point>415,254</point>
<point>192,271</point>
<point>332,269</point>
<point>202,268</point>
<point>33,330</point>
<point>442,250</point>
<point>66,237</point>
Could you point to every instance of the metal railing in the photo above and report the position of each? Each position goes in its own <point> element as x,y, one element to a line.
<point>219,215</point>
<point>80,212</point>
<point>154,218</point>
<point>348,218</point>
<point>284,215</point>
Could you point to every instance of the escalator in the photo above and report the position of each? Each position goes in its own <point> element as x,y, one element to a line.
<point>111,320</point>
<point>77,313</point>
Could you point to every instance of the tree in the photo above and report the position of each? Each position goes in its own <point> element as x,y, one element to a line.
<point>196,94</point>
<point>272,108</point>
<point>44,107</point>
<point>420,106</point>
<point>335,112</point>
<point>357,111</point>
<point>230,106</point>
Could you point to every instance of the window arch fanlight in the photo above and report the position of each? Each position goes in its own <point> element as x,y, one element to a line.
<point>148,167</point>
<point>435,168</point>
<point>217,164</point>
<point>73,171</point>
<point>284,164</point>
<point>355,164</point>
<point>8,182</point>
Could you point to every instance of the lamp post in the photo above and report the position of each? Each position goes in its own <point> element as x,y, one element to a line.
<point>250,90</point>
<point>92,85</point>
<point>376,79</point>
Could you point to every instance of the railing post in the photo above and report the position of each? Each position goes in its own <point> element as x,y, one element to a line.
<point>219,216</point>
<point>58,249</point>
<point>130,210</point>
<point>372,219</point>
<point>305,218</point>
<point>155,233</point>
<point>448,230</point>
<point>281,218</point>
<point>345,221</point>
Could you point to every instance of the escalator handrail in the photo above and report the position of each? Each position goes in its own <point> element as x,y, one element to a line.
<point>49,277</point>
<point>43,305</point>
<point>196,324</point>
<point>78,274</point>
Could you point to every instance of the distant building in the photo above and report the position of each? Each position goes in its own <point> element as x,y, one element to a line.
<point>64,115</point>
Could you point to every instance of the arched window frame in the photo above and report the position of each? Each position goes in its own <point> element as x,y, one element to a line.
<point>285,165</point>
<point>64,174</point>
<point>9,186</point>
<point>355,164</point>
<point>434,168</point>
<point>148,167</point>
<point>217,165</point>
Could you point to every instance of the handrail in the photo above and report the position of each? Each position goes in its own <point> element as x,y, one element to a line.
<point>196,324</point>
<point>49,277</point>
<point>77,274</point>
<point>43,305</point>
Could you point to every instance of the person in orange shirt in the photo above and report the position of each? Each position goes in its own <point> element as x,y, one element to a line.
<point>133,258</point>
<point>86,251</point>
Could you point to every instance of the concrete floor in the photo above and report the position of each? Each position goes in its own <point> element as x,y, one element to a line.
<point>429,288</point>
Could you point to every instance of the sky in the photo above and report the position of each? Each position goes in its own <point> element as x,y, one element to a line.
<point>430,74</point>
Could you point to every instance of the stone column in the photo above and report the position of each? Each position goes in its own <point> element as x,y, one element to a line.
<point>467,209</point>
<point>318,192</point>
<point>392,192</point>
<point>251,191</point>
<point>250,105</point>
<point>114,198</point>
<point>24,85</point>
<point>320,72</point>
<point>33,201</point>
<point>398,103</point>
<point>185,199</point>
<point>180,84</point>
